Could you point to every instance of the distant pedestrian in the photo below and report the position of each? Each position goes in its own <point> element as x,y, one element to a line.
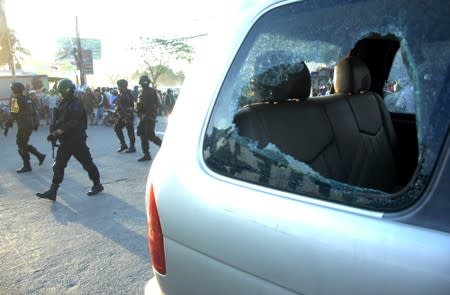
<point>135,93</point>
<point>45,108</point>
<point>88,99</point>
<point>169,101</point>
<point>147,109</point>
<point>24,111</point>
<point>99,102</point>
<point>71,125</point>
<point>125,109</point>
<point>52,103</point>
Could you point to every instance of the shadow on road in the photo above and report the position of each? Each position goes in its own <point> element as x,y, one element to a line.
<point>106,215</point>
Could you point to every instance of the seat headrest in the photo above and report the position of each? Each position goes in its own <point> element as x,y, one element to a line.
<point>298,85</point>
<point>351,75</point>
<point>285,81</point>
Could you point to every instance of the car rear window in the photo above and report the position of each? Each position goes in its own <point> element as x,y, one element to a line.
<point>316,35</point>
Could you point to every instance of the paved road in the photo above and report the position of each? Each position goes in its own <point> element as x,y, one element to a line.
<point>79,244</point>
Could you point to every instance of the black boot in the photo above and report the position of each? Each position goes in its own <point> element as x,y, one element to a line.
<point>26,161</point>
<point>145,157</point>
<point>122,148</point>
<point>50,194</point>
<point>41,158</point>
<point>25,168</point>
<point>132,149</point>
<point>95,189</point>
<point>37,154</point>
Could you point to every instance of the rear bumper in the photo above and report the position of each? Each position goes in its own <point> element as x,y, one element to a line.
<point>152,287</point>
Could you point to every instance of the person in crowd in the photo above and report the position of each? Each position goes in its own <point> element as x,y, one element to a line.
<point>169,101</point>
<point>161,110</point>
<point>147,109</point>
<point>24,112</point>
<point>44,104</point>
<point>125,110</point>
<point>36,102</point>
<point>135,93</point>
<point>70,130</point>
<point>99,103</point>
<point>52,103</point>
<point>106,94</point>
<point>113,97</point>
<point>88,100</point>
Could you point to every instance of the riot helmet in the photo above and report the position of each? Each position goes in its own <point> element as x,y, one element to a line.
<point>17,88</point>
<point>122,83</point>
<point>144,81</point>
<point>66,88</point>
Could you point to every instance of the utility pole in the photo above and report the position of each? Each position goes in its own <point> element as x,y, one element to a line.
<point>79,55</point>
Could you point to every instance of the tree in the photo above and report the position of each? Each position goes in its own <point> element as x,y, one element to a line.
<point>113,78</point>
<point>170,78</point>
<point>11,51</point>
<point>157,54</point>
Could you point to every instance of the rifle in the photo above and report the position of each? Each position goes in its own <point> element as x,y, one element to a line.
<point>52,129</point>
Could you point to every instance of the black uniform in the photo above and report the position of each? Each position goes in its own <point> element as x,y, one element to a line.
<point>147,109</point>
<point>72,119</point>
<point>25,114</point>
<point>125,108</point>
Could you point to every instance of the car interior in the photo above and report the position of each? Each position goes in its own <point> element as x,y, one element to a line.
<point>347,135</point>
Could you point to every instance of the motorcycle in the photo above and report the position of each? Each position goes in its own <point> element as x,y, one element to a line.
<point>3,114</point>
<point>110,118</point>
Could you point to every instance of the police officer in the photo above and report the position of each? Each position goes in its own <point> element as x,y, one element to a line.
<point>125,109</point>
<point>70,130</point>
<point>147,109</point>
<point>25,113</point>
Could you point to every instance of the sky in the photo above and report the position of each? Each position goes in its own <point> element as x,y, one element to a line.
<point>117,24</point>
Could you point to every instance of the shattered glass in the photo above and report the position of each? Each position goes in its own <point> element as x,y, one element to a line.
<point>319,35</point>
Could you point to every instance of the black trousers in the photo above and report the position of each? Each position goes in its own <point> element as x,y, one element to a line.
<point>146,131</point>
<point>24,149</point>
<point>129,125</point>
<point>81,152</point>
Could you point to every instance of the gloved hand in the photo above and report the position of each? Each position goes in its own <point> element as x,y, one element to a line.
<point>53,136</point>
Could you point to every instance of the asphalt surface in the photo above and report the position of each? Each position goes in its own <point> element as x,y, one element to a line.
<point>79,244</point>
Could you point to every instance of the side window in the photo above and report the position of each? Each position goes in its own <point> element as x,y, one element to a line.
<point>278,124</point>
<point>399,88</point>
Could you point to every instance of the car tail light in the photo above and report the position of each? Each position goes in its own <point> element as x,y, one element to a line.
<point>155,236</point>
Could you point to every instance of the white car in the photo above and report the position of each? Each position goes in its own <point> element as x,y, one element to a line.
<point>286,168</point>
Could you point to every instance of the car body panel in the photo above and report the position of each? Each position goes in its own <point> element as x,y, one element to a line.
<point>329,248</point>
<point>265,241</point>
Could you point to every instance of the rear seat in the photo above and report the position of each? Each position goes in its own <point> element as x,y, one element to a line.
<point>347,136</point>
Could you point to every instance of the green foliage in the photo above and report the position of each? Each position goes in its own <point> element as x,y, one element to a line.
<point>170,78</point>
<point>158,53</point>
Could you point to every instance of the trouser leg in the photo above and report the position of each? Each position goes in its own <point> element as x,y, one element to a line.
<point>25,157</point>
<point>130,130</point>
<point>62,157</point>
<point>83,155</point>
<point>118,129</point>
<point>22,137</point>
<point>151,133</point>
<point>144,145</point>
<point>156,140</point>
